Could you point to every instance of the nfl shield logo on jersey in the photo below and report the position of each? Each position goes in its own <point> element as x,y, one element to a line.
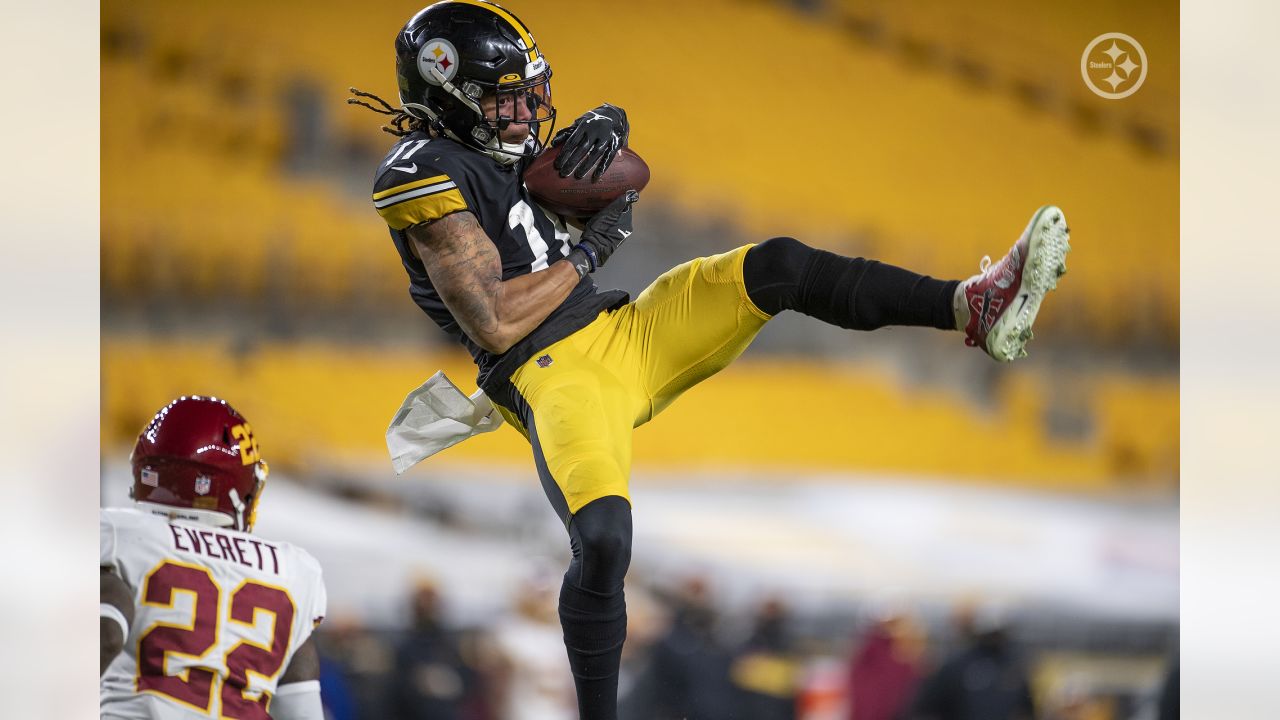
<point>545,361</point>
<point>203,484</point>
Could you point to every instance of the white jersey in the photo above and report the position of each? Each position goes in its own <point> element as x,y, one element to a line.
<point>218,615</point>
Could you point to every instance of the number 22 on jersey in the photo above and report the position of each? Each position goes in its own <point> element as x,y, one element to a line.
<point>195,684</point>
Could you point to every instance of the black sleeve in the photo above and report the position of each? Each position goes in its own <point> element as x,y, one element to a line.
<point>422,190</point>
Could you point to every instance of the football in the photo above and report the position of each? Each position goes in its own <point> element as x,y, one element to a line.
<point>575,198</point>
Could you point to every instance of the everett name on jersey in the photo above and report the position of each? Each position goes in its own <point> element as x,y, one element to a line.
<point>218,617</point>
<point>422,179</point>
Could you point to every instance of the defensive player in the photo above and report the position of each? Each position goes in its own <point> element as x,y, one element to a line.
<point>213,621</point>
<point>573,368</point>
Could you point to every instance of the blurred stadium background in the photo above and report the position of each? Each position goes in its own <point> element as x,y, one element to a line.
<point>240,257</point>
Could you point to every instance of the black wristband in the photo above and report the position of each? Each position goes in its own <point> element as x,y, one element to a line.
<point>581,259</point>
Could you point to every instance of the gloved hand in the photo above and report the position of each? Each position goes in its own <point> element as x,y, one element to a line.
<point>603,234</point>
<point>593,140</point>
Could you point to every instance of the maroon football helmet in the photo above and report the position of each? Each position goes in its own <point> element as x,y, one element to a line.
<point>198,460</point>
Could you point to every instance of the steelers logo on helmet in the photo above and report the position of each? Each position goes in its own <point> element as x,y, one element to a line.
<point>535,68</point>
<point>438,59</point>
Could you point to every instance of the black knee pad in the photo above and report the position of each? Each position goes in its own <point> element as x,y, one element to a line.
<point>772,272</point>
<point>600,537</point>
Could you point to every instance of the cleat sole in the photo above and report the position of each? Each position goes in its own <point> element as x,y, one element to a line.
<point>1049,243</point>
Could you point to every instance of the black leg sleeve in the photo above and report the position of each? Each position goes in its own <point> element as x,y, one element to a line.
<point>854,293</point>
<point>593,609</point>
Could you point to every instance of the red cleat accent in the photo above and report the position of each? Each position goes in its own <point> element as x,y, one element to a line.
<point>1005,297</point>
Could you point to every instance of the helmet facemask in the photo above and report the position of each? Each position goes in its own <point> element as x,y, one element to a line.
<point>479,113</point>
<point>247,508</point>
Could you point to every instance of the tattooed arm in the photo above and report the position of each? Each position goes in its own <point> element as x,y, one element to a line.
<point>465,269</point>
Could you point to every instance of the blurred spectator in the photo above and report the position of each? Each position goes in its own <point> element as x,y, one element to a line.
<point>335,692</point>
<point>1075,698</point>
<point>766,669</point>
<point>432,681</point>
<point>986,680</point>
<point>354,664</point>
<point>823,692</point>
<point>532,680</point>
<point>1168,707</point>
<point>885,668</point>
<point>686,676</point>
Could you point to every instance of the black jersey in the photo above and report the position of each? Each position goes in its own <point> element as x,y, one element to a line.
<point>423,179</point>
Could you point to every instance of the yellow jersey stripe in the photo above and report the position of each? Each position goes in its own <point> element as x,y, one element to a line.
<point>519,26</point>
<point>409,186</point>
<point>423,209</point>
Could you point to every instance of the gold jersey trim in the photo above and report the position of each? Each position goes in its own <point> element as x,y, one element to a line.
<point>423,208</point>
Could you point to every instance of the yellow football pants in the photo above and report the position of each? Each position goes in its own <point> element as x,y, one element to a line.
<point>588,391</point>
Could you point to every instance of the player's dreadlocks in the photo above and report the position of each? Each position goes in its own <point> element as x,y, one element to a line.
<point>401,123</point>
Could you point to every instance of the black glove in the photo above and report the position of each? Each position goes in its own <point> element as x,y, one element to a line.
<point>593,140</point>
<point>603,234</point>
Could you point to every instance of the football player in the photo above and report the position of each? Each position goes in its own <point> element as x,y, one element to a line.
<point>200,618</point>
<point>572,367</point>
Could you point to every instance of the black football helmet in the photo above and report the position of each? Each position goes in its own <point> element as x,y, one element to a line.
<point>456,57</point>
